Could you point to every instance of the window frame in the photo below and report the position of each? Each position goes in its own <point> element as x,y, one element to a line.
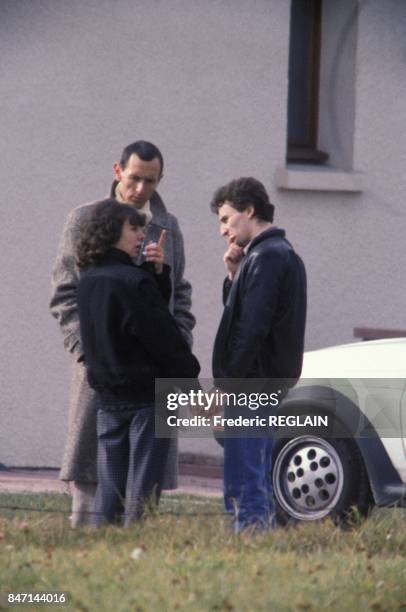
<point>305,150</point>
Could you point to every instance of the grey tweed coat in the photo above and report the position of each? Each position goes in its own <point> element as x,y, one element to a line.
<point>80,456</point>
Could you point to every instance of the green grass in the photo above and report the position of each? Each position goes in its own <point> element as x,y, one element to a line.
<point>190,560</point>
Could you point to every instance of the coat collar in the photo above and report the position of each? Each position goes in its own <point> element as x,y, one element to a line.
<point>158,209</point>
<point>116,256</point>
<point>272,232</point>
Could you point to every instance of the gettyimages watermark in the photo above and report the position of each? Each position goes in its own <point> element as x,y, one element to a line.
<point>278,407</point>
<point>209,401</point>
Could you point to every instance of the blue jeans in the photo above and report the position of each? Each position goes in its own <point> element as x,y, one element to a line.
<point>248,492</point>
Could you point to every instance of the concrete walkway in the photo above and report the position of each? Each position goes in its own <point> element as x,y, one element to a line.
<point>40,481</point>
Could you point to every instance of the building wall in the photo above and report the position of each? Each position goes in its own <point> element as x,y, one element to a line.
<point>207,82</point>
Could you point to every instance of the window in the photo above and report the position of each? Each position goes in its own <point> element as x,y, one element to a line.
<point>304,76</point>
<point>321,98</point>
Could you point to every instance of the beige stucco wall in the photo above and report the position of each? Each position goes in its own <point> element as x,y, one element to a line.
<point>206,81</point>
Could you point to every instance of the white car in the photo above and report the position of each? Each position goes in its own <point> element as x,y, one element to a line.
<point>359,459</point>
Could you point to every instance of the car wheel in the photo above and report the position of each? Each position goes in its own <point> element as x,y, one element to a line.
<point>314,477</point>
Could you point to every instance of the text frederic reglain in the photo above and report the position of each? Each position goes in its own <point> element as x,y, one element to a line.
<point>290,420</point>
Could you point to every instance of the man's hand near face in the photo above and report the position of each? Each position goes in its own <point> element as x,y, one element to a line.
<point>154,253</point>
<point>232,257</point>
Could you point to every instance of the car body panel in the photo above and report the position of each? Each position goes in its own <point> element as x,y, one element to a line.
<point>363,385</point>
<point>373,359</point>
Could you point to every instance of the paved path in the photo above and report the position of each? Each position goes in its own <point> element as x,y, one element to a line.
<point>38,481</point>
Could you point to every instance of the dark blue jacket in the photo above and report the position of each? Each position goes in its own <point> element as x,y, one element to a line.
<point>261,333</point>
<point>129,336</point>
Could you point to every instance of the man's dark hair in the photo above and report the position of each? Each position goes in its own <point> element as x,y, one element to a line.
<point>101,229</point>
<point>145,151</point>
<point>242,193</point>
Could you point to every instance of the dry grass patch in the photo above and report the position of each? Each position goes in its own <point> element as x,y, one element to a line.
<point>186,559</point>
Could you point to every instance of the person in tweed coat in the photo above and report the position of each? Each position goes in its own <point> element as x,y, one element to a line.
<point>137,176</point>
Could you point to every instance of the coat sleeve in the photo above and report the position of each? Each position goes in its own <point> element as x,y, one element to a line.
<point>163,280</point>
<point>65,279</point>
<point>226,289</point>
<point>182,290</point>
<point>261,282</point>
<point>155,328</point>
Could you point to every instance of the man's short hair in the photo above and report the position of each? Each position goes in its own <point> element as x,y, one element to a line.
<point>242,193</point>
<point>100,230</point>
<point>145,151</point>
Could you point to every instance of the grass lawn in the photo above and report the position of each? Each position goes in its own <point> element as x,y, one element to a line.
<point>187,559</point>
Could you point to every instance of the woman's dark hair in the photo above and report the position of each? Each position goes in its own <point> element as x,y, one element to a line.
<point>101,229</point>
<point>242,193</point>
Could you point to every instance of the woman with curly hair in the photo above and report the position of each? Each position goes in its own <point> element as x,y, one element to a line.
<point>129,339</point>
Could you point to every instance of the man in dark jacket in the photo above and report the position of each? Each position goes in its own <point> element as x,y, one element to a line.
<point>261,333</point>
<point>129,338</point>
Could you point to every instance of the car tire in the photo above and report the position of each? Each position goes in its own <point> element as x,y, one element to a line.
<point>316,477</point>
